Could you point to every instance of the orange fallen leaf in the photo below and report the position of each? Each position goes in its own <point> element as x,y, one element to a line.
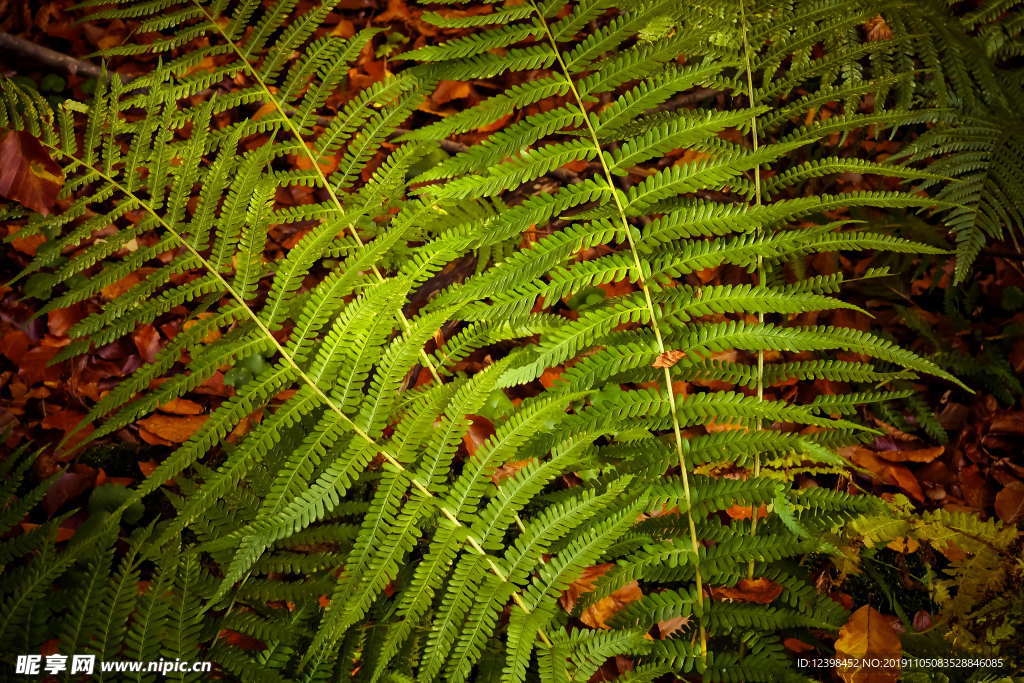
<point>152,439</point>
<point>668,359</point>
<point>877,29</point>
<point>63,533</point>
<point>550,376</point>
<point>744,512</point>
<point>116,289</point>
<point>211,336</point>
<point>147,341</point>
<point>586,582</point>
<point>241,640</point>
<point>903,544</point>
<point>173,429</point>
<point>181,406</point>
<point>1010,503</point>
<point>508,469</point>
<point>895,433</point>
<point>906,480</point>
<point>916,455</point>
<point>597,615</point>
<point>762,591</point>
<point>480,430</point>
<point>887,472</point>
<point>1008,423</point>
<point>61,320</point>
<point>796,645</point>
<point>868,635</point>
<point>713,427</point>
<point>27,173</point>
<point>671,626</point>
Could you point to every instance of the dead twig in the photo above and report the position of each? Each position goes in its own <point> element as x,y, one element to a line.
<point>44,56</point>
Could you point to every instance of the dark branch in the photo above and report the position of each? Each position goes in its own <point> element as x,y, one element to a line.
<point>44,56</point>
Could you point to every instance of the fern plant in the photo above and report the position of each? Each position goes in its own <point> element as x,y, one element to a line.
<point>347,530</point>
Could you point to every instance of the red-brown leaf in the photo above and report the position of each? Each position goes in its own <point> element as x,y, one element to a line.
<point>762,591</point>
<point>1010,503</point>
<point>27,173</point>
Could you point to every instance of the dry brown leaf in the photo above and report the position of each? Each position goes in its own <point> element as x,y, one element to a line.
<point>868,635</point>
<point>480,430</point>
<point>877,29</point>
<point>181,406</point>
<point>744,512</point>
<point>1008,423</point>
<point>172,428</point>
<point>597,615</point>
<point>668,359</point>
<point>27,173</point>
<point>895,433</point>
<point>116,289</point>
<point>916,455</point>
<point>762,591</point>
<point>508,469</point>
<point>887,472</point>
<point>670,627</point>
<point>796,645</point>
<point>903,544</point>
<point>147,341</point>
<point>713,427</point>
<point>586,582</point>
<point>1010,503</point>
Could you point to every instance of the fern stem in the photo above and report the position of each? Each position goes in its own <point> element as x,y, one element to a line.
<point>473,543</point>
<point>761,276</point>
<point>655,327</point>
<point>314,162</point>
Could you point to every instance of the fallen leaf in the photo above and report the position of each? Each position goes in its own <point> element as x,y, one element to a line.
<point>762,591</point>
<point>480,430</point>
<point>61,320</point>
<point>181,406</point>
<point>893,431</point>
<point>550,376</point>
<point>173,429</point>
<point>669,627</point>
<point>147,341</point>
<point>668,359</point>
<point>27,173</point>
<point>241,640</point>
<point>887,472</point>
<point>906,480</point>
<point>744,512</point>
<point>508,469</point>
<point>877,29</point>
<point>904,545</point>
<point>1010,503</point>
<point>916,455</point>
<point>868,635</point>
<point>597,615</point>
<point>116,289</point>
<point>585,583</point>
<point>63,533</point>
<point>1008,423</point>
<point>796,645</point>
<point>713,427</point>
